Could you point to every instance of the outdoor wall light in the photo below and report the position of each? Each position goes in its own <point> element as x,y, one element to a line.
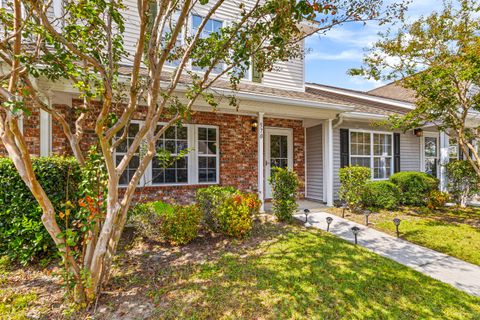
<point>329,220</point>
<point>355,231</point>
<point>418,132</point>
<point>254,125</point>
<point>396,222</point>
<point>366,213</point>
<point>306,212</point>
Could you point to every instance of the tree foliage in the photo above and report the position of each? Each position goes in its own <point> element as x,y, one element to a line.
<point>437,58</point>
<point>85,47</point>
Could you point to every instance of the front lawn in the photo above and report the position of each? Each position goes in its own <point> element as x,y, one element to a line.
<point>281,272</point>
<point>453,231</point>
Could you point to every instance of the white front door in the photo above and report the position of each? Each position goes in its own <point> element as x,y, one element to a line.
<point>430,153</point>
<point>278,153</point>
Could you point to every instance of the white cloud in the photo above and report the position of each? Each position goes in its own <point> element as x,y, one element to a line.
<point>366,84</point>
<point>351,55</point>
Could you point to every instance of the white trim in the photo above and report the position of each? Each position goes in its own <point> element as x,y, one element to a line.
<point>363,116</point>
<point>305,160</point>
<point>197,155</point>
<point>45,134</point>
<point>269,131</point>
<point>364,96</point>
<point>444,159</point>
<point>260,163</point>
<point>371,156</point>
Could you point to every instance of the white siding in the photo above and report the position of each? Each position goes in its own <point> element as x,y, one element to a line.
<point>287,75</point>
<point>409,150</point>
<point>315,163</point>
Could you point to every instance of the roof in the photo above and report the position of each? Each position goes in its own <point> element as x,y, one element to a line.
<point>394,90</point>
<point>362,101</point>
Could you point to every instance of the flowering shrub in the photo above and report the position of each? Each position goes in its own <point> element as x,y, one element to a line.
<point>209,199</point>
<point>437,199</point>
<point>235,215</point>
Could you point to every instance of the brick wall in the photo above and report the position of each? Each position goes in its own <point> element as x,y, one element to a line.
<point>238,151</point>
<point>31,130</point>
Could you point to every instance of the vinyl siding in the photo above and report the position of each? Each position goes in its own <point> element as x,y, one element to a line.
<point>287,75</point>
<point>314,141</point>
<point>409,150</point>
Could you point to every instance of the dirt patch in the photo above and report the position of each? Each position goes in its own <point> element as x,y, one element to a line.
<point>136,275</point>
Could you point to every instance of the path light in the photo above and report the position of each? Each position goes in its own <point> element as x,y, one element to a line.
<point>306,212</point>
<point>396,222</point>
<point>366,213</point>
<point>329,220</point>
<point>355,231</point>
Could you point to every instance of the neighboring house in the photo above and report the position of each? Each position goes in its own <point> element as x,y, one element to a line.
<point>281,121</point>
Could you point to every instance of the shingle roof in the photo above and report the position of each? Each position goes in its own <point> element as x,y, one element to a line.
<point>394,91</point>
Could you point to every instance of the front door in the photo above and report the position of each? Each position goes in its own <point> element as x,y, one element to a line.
<point>430,154</point>
<point>278,153</point>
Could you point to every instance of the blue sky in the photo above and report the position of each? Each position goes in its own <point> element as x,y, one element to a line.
<point>333,54</point>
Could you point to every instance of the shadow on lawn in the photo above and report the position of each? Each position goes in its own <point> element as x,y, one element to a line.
<point>306,275</point>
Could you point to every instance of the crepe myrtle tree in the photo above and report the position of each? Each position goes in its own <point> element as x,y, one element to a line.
<point>437,58</point>
<point>85,47</point>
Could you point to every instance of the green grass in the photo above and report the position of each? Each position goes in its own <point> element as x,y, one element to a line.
<point>306,275</point>
<point>455,232</point>
<point>14,306</point>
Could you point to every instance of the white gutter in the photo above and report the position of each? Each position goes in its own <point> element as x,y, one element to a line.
<point>364,96</point>
<point>364,116</point>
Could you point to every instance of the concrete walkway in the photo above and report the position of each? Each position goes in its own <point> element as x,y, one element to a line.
<point>460,274</point>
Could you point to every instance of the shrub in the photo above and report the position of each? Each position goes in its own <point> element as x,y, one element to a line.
<point>285,185</point>
<point>414,186</point>
<point>180,224</point>
<point>22,234</point>
<point>176,224</point>
<point>235,215</point>
<point>437,199</point>
<point>208,200</point>
<point>380,195</point>
<point>353,180</point>
<point>462,181</point>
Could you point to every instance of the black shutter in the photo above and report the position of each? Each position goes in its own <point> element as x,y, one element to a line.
<point>344,148</point>
<point>396,152</point>
<point>460,153</point>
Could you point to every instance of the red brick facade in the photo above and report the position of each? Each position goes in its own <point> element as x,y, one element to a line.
<point>238,152</point>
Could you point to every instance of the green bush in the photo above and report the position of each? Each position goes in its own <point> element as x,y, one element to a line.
<point>437,199</point>
<point>174,223</point>
<point>208,200</point>
<point>22,235</point>
<point>463,181</point>
<point>353,180</point>
<point>285,185</point>
<point>414,187</point>
<point>235,215</point>
<point>380,195</point>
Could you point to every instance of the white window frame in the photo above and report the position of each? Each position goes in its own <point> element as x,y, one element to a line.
<point>422,149</point>
<point>192,131</point>
<point>142,180</point>
<point>372,156</point>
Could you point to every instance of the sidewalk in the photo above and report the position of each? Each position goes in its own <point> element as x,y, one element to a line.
<point>460,274</point>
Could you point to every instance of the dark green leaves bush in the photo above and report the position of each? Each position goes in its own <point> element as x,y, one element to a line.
<point>414,186</point>
<point>380,195</point>
<point>353,180</point>
<point>22,235</point>
<point>285,185</point>
<point>463,181</point>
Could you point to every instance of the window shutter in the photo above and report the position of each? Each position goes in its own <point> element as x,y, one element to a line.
<point>396,152</point>
<point>344,148</point>
<point>257,75</point>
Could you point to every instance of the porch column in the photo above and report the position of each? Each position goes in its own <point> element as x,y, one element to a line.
<point>261,166</point>
<point>328,162</point>
<point>45,134</point>
<point>444,158</point>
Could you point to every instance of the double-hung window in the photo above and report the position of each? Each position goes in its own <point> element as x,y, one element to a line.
<point>200,165</point>
<point>373,150</point>
<point>211,26</point>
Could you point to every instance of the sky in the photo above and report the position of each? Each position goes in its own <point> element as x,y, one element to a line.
<point>330,56</point>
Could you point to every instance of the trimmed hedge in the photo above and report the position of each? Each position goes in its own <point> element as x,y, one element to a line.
<point>414,187</point>
<point>23,237</point>
<point>353,180</point>
<point>285,185</point>
<point>380,195</point>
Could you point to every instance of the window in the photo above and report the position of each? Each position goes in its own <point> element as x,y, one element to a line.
<point>174,140</point>
<point>166,36</point>
<point>207,154</point>
<point>199,166</point>
<point>121,151</point>
<point>452,149</point>
<point>212,26</point>
<point>372,150</point>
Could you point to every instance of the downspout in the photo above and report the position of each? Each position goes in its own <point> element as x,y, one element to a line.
<point>338,120</point>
